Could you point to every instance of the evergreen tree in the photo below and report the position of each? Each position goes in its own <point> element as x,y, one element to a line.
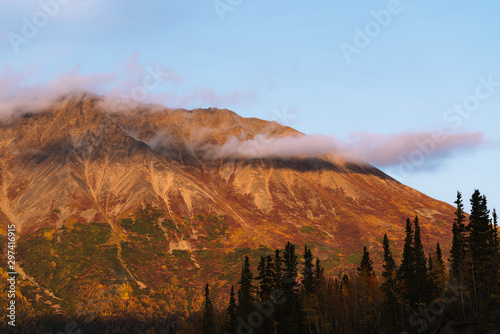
<point>495,228</point>
<point>458,248</point>
<point>437,272</point>
<point>312,276</point>
<point>278,293</point>
<point>481,247</point>
<point>389,266</point>
<point>405,273</point>
<point>319,273</point>
<point>265,277</point>
<point>440,267</point>
<point>421,287</point>
<point>208,326</point>
<point>366,295</point>
<point>495,272</point>
<point>390,304</point>
<point>308,271</point>
<point>481,234</point>
<point>345,280</point>
<point>291,308</point>
<point>431,263</point>
<point>290,270</point>
<point>278,272</point>
<point>439,256</point>
<point>246,292</point>
<point>366,266</point>
<point>232,314</point>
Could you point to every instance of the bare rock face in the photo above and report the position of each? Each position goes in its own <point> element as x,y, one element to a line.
<point>80,162</point>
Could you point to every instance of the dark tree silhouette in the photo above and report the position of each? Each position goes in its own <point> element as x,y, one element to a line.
<point>208,314</point>
<point>246,291</point>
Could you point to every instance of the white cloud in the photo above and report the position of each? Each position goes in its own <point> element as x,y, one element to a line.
<point>378,149</point>
<point>127,86</point>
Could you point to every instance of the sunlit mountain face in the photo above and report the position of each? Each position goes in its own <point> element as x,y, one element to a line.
<point>147,204</point>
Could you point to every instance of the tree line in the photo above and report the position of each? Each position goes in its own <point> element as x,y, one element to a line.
<point>424,293</point>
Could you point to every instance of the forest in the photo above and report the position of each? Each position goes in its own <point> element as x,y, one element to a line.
<point>424,293</point>
<point>286,291</point>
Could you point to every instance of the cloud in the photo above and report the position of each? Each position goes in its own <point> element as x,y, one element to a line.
<point>27,91</point>
<point>263,146</point>
<point>125,87</point>
<point>383,150</point>
<point>392,149</point>
<point>134,83</point>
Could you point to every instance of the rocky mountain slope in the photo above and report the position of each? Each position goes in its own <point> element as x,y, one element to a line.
<point>80,171</point>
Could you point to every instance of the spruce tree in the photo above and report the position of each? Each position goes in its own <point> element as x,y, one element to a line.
<point>439,256</point>
<point>482,249</point>
<point>481,235</point>
<point>366,266</point>
<point>291,308</point>
<point>319,273</point>
<point>421,278</point>
<point>208,326</point>
<point>389,281</point>
<point>308,271</point>
<point>278,272</point>
<point>440,267</point>
<point>290,270</point>
<point>389,273</point>
<point>431,263</point>
<point>265,277</point>
<point>405,274</point>
<point>345,280</point>
<point>495,270</point>
<point>366,294</point>
<point>246,292</point>
<point>459,243</point>
<point>437,272</point>
<point>495,228</point>
<point>261,277</point>
<point>232,314</point>
<point>277,292</point>
<point>433,279</point>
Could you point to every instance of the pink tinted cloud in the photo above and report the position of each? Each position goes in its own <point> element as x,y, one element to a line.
<point>134,81</point>
<point>20,91</point>
<point>378,149</point>
<point>391,149</point>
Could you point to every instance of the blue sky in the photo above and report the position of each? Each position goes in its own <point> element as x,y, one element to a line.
<point>287,61</point>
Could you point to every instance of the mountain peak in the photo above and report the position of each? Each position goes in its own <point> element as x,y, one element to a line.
<point>72,180</point>
<point>91,163</point>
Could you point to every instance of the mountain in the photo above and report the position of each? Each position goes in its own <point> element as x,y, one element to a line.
<point>137,201</point>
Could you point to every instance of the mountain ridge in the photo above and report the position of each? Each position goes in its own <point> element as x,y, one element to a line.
<point>92,164</point>
<point>131,201</point>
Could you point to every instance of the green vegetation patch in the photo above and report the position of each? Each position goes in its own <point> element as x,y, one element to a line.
<point>145,222</point>
<point>58,259</point>
<point>307,229</point>
<point>215,226</point>
<point>181,254</point>
<point>354,257</point>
